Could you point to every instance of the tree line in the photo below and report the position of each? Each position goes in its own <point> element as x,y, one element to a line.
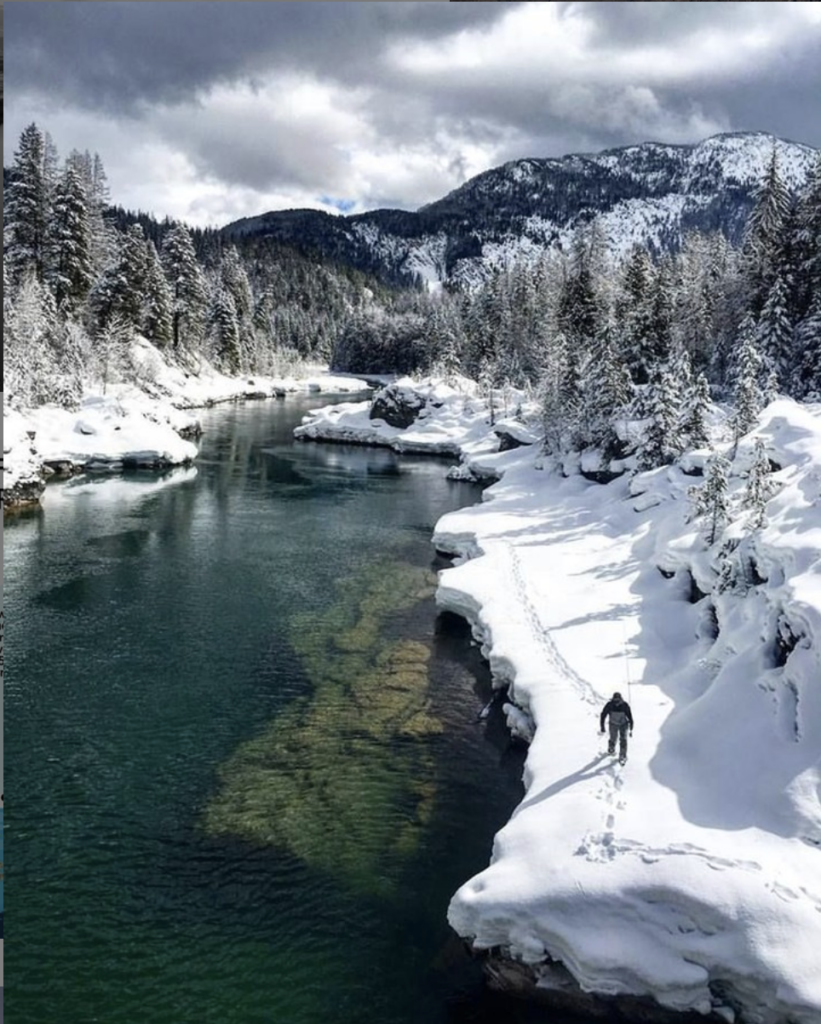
<point>602,340</point>
<point>81,277</point>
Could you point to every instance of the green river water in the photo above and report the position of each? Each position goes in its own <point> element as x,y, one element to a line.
<point>245,772</point>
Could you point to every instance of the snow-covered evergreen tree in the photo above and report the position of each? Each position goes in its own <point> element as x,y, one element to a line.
<point>187,285</point>
<point>775,335</point>
<point>633,315</point>
<point>748,396</point>
<point>662,440</point>
<point>225,331</point>
<point>808,351</point>
<point>760,487</point>
<point>559,397</point>
<point>764,239</point>
<point>606,391</point>
<point>27,206</point>
<point>695,410</point>
<point>70,271</point>
<point>120,290</point>
<point>711,500</point>
<point>157,300</point>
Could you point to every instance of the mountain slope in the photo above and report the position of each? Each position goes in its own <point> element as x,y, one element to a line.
<point>649,194</point>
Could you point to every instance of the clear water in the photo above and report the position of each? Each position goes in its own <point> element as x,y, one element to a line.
<point>215,815</point>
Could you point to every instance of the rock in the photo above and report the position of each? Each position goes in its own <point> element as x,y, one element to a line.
<point>513,435</point>
<point>24,494</point>
<point>191,432</point>
<point>62,467</point>
<point>552,985</point>
<point>398,406</point>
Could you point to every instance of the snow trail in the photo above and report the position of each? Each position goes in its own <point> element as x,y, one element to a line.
<point>542,635</point>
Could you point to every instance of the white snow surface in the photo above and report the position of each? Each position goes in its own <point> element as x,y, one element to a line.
<point>693,873</point>
<point>21,461</point>
<point>108,431</point>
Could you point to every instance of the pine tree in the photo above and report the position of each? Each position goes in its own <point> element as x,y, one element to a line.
<point>235,282</point>
<point>695,411</point>
<point>760,487</point>
<point>579,312</point>
<point>807,243</point>
<point>119,292</point>
<point>764,239</point>
<point>225,332</point>
<point>748,397</point>
<point>559,397</point>
<point>157,304</point>
<point>808,349</point>
<point>102,237</point>
<point>185,279</point>
<point>69,242</point>
<point>712,500</point>
<point>662,441</point>
<point>775,335</point>
<point>606,392</point>
<point>633,314</point>
<point>27,206</point>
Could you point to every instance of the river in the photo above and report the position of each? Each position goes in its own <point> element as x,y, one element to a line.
<point>245,768</point>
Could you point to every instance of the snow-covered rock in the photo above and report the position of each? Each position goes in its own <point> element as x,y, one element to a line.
<point>398,404</point>
<point>23,478</point>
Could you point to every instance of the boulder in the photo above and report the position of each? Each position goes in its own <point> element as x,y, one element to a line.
<point>513,435</point>
<point>398,406</point>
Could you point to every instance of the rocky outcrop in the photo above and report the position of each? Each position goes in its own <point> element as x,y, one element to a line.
<point>23,494</point>
<point>397,405</point>
<point>553,986</point>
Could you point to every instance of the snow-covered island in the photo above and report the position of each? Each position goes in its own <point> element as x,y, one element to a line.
<point>690,879</point>
<point>145,423</point>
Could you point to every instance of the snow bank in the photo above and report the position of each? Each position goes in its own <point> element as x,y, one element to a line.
<point>690,878</point>
<point>199,384</point>
<point>108,433</point>
<point>693,874</point>
<point>143,423</point>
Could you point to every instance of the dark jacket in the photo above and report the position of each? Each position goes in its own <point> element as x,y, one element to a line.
<point>619,711</point>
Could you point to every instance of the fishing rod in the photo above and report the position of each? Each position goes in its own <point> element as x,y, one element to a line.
<point>626,663</point>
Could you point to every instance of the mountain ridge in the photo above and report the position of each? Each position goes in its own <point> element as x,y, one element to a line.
<point>648,194</point>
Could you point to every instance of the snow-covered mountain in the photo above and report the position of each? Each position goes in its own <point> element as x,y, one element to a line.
<point>649,194</point>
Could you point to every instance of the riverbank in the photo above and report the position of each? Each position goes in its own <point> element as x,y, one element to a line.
<point>147,423</point>
<point>683,882</point>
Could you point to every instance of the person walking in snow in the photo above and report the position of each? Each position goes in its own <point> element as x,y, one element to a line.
<point>621,719</point>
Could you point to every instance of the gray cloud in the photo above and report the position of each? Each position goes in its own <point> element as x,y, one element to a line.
<point>120,56</point>
<point>232,108</point>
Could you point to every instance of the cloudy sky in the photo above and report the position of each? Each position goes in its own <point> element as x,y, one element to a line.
<point>210,111</point>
